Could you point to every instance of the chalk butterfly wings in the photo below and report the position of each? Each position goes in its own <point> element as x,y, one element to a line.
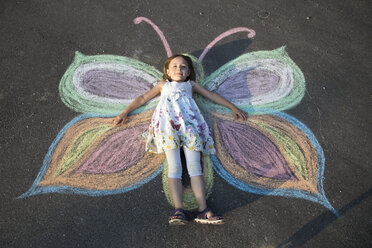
<point>270,153</point>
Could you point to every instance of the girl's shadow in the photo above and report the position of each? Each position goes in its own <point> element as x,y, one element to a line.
<point>217,56</point>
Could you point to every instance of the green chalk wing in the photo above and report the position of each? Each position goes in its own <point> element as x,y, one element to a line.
<point>261,82</point>
<point>106,84</point>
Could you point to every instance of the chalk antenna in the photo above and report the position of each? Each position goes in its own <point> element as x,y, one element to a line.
<point>158,31</point>
<point>251,34</point>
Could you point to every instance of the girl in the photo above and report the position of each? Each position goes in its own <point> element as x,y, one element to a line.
<point>177,122</point>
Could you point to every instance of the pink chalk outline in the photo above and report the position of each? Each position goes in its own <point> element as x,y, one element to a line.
<point>138,20</point>
<point>251,34</point>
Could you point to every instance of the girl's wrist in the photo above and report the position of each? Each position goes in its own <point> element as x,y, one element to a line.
<point>122,115</point>
<point>233,108</point>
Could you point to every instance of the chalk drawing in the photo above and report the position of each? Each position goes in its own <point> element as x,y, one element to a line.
<point>271,153</point>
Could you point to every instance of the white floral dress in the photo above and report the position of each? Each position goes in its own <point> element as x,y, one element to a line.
<point>177,122</point>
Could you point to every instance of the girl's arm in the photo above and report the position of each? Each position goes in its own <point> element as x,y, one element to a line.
<point>238,113</point>
<point>138,102</point>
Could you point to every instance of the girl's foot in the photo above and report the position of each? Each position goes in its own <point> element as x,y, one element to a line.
<point>208,217</point>
<point>178,217</point>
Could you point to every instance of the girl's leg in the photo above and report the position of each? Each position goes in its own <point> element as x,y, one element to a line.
<point>175,176</point>
<point>198,187</point>
<point>205,216</point>
<point>196,177</point>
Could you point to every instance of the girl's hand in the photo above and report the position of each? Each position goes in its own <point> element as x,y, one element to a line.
<point>239,114</point>
<point>119,119</point>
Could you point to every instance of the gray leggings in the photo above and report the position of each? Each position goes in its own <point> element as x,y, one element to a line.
<point>175,165</point>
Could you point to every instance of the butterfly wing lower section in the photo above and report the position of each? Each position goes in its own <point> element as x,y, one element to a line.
<point>106,84</point>
<point>91,157</point>
<point>269,154</point>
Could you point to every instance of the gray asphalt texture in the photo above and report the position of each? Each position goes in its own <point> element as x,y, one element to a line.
<point>329,40</point>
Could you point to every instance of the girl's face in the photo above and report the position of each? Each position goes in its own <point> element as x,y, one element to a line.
<point>178,69</point>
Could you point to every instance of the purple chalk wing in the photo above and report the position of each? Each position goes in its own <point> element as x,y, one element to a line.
<point>266,152</point>
<point>271,154</point>
<point>260,82</point>
<point>253,151</point>
<point>105,84</point>
<point>120,151</point>
<point>90,156</point>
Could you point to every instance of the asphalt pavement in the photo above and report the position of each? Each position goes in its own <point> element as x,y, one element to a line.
<point>328,40</point>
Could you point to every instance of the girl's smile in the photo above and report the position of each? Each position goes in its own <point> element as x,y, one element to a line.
<point>178,69</point>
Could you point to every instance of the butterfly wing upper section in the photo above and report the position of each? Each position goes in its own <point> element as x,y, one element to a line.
<point>106,84</point>
<point>262,82</point>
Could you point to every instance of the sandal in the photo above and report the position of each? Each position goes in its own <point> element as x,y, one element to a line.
<point>178,217</point>
<point>202,218</point>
